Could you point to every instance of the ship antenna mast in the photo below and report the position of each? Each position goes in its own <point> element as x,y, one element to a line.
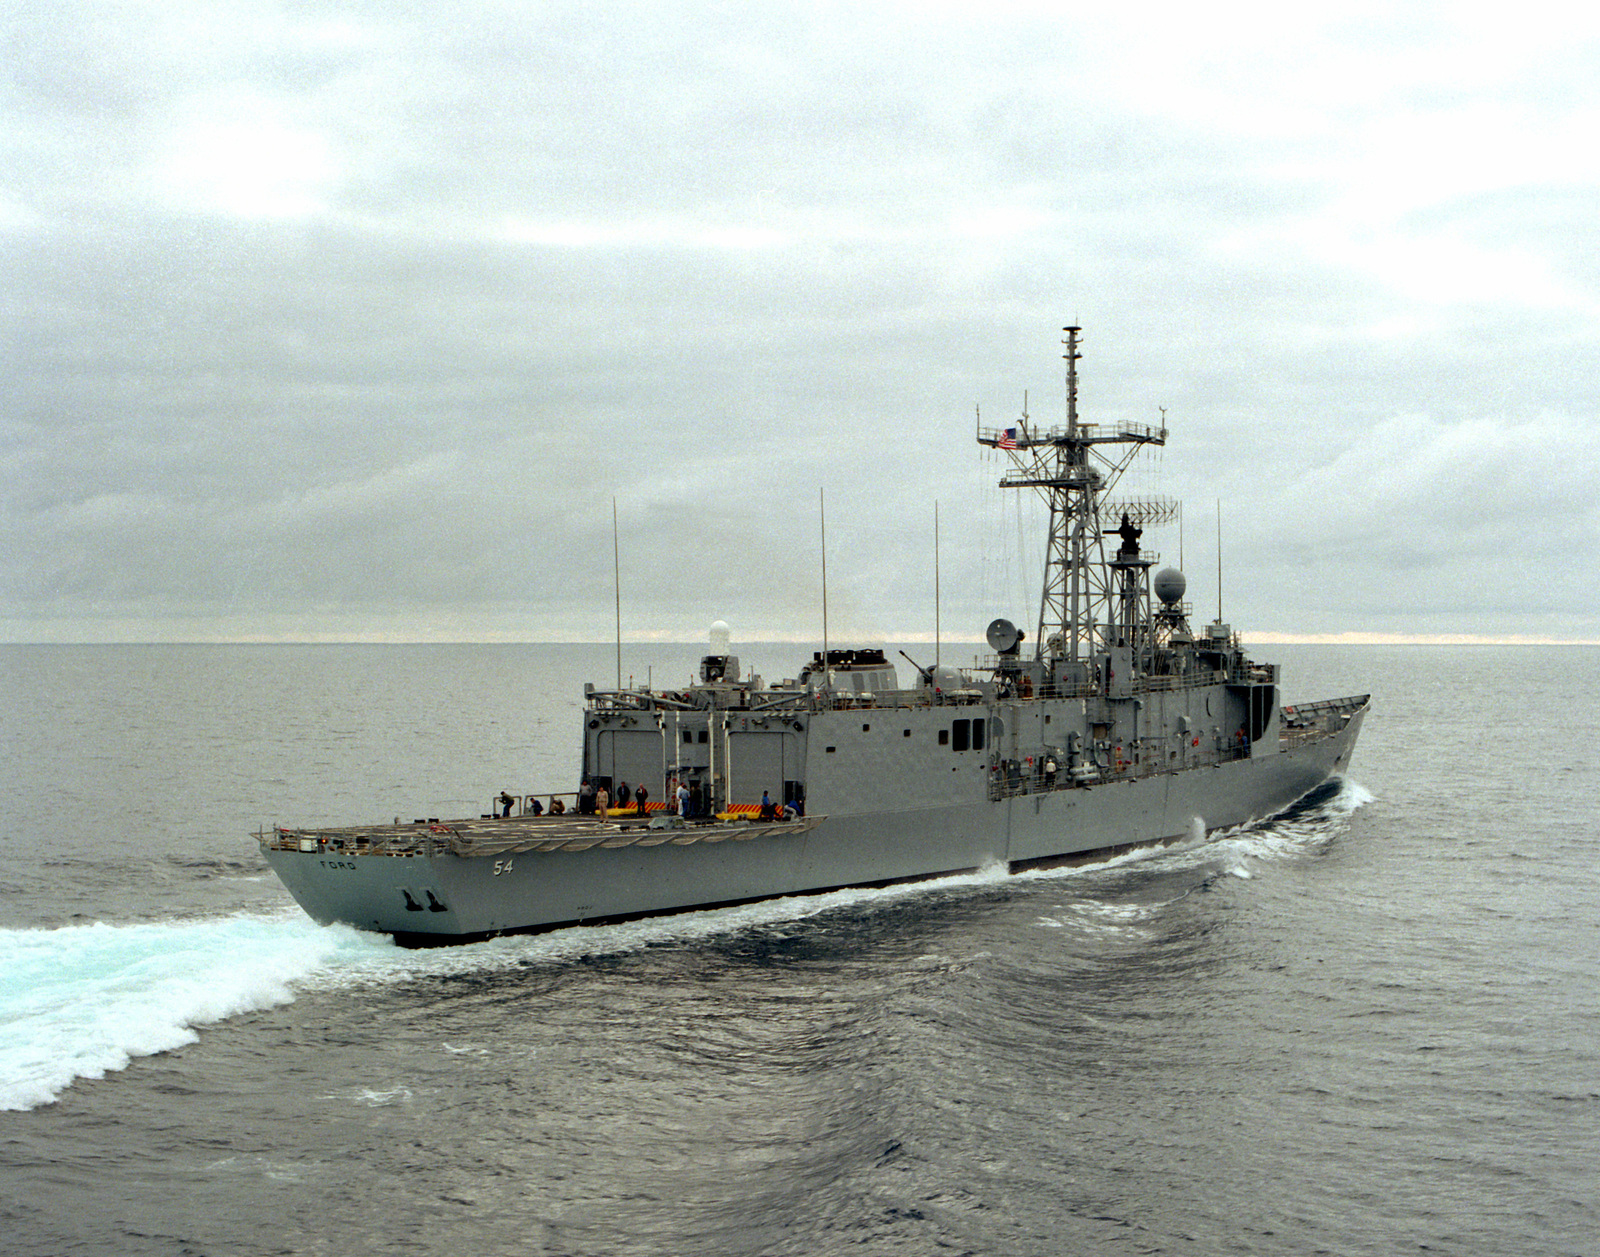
<point>1073,468</point>
<point>1072,355</point>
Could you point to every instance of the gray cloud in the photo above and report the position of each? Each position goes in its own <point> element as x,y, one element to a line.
<point>355,319</point>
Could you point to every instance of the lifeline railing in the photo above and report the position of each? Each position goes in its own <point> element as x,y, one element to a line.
<point>843,700</point>
<point>1009,778</point>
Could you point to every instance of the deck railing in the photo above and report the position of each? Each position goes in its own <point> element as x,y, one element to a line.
<point>1009,779</point>
<point>779,700</point>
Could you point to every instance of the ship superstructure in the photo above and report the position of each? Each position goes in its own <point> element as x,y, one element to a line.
<point>1120,726</point>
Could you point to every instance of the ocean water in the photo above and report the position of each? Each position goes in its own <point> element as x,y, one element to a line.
<point>1368,1026</point>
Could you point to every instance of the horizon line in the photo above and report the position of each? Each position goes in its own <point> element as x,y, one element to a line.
<point>1348,638</point>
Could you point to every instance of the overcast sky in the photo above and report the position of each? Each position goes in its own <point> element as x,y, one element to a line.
<point>350,320</point>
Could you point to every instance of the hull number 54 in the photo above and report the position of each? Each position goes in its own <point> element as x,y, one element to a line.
<point>502,866</point>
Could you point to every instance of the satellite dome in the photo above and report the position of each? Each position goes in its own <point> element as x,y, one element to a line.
<point>1170,585</point>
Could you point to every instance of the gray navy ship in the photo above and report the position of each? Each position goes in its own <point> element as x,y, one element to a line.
<point>1118,725</point>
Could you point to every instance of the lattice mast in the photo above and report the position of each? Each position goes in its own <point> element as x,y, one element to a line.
<point>1073,469</point>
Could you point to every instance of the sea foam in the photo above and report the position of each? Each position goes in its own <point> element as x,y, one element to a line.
<point>81,1001</point>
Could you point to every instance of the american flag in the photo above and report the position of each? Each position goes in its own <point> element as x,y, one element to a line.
<point>1008,439</point>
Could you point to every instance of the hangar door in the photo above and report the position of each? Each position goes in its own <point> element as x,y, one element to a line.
<point>761,761</point>
<point>631,755</point>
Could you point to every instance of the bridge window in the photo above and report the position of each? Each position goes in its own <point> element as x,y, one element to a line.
<point>960,735</point>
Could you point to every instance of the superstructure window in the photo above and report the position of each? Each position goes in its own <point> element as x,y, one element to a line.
<point>960,735</point>
<point>977,734</point>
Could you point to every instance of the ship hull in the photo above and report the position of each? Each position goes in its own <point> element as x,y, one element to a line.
<point>440,897</point>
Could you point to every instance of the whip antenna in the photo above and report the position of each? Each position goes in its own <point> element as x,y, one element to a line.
<point>616,568</point>
<point>822,523</point>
